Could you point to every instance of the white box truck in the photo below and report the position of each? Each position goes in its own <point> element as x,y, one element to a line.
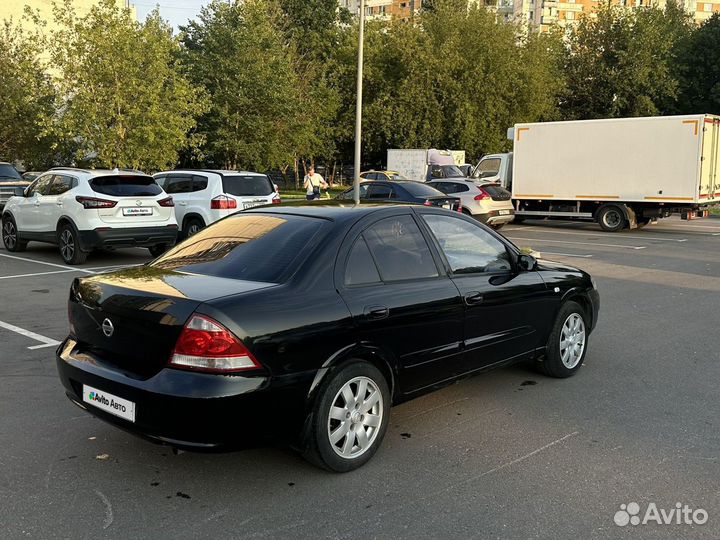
<point>621,173</point>
<point>424,164</point>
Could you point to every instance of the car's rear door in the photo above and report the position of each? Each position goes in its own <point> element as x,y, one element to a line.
<point>179,187</point>
<point>504,307</point>
<point>400,298</point>
<point>52,204</point>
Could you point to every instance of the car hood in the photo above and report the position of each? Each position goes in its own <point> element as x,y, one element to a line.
<point>554,266</point>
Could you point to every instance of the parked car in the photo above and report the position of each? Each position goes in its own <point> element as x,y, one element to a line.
<point>306,322</point>
<point>11,183</point>
<point>203,196</point>
<point>387,176</point>
<point>82,210</point>
<point>403,191</point>
<point>484,201</point>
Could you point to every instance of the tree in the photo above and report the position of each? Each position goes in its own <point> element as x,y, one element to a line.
<point>27,96</point>
<point>699,70</point>
<point>621,63</point>
<point>239,53</point>
<point>122,99</point>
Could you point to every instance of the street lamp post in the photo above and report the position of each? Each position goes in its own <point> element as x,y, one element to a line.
<point>358,105</point>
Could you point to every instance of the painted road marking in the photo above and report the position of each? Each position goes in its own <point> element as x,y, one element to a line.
<point>545,241</point>
<point>606,235</point>
<point>38,274</point>
<point>46,341</point>
<point>64,267</point>
<point>94,270</point>
<point>565,255</point>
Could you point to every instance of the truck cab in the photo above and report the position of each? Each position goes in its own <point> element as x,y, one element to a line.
<point>495,168</point>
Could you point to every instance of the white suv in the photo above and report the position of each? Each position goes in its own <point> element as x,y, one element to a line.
<point>205,196</point>
<point>81,210</point>
<point>487,202</point>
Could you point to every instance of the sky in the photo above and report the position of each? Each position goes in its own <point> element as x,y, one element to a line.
<point>177,12</point>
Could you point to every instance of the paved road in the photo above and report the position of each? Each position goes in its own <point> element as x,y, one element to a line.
<point>509,454</point>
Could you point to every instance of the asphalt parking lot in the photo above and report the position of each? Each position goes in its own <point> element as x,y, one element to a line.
<point>507,454</point>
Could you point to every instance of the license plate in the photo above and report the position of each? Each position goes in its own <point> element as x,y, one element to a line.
<point>247,205</point>
<point>137,211</point>
<point>504,212</point>
<point>109,403</point>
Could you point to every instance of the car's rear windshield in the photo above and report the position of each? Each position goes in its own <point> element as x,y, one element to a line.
<point>126,186</point>
<point>416,189</point>
<point>247,185</point>
<point>8,173</point>
<point>253,247</point>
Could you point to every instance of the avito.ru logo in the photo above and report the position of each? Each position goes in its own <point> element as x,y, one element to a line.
<point>679,515</point>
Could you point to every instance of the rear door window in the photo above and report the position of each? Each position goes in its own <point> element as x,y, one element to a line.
<point>178,183</point>
<point>253,247</point>
<point>199,183</point>
<point>126,186</point>
<point>240,185</point>
<point>399,249</point>
<point>361,269</point>
<point>61,184</point>
<point>379,191</point>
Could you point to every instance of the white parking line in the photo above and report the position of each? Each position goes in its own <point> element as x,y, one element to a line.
<point>545,241</point>
<point>46,341</point>
<point>606,235</point>
<point>64,267</point>
<point>39,274</point>
<point>566,254</point>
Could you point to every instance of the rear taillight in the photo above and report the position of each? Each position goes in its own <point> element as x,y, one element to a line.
<point>484,195</point>
<point>223,202</point>
<point>427,203</point>
<point>206,345</point>
<point>91,203</point>
<point>166,202</point>
<point>459,208</point>
<point>276,200</point>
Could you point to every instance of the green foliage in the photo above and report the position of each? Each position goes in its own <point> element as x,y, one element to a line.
<point>699,71</point>
<point>121,99</point>
<point>621,63</point>
<point>27,97</point>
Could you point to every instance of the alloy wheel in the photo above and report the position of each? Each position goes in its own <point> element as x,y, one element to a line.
<point>572,340</point>
<point>67,245</point>
<point>355,417</point>
<point>9,235</point>
<point>193,229</point>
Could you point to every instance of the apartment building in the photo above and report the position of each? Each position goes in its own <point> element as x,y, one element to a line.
<point>544,14</point>
<point>16,8</point>
<point>384,9</point>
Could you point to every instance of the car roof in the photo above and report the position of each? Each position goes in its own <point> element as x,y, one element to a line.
<point>98,172</point>
<point>334,209</point>
<point>220,172</point>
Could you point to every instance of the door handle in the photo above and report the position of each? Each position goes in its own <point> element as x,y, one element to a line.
<point>59,203</point>
<point>182,203</point>
<point>473,297</point>
<point>376,312</point>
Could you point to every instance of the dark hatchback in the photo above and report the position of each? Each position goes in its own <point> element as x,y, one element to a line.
<point>306,323</point>
<point>406,191</point>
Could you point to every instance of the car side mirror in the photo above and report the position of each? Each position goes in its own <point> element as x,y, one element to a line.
<point>21,192</point>
<point>527,263</point>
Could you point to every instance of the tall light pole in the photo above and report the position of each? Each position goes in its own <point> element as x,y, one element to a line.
<point>358,105</point>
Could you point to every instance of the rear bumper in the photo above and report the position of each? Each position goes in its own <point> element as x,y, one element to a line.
<point>128,237</point>
<point>191,410</point>
<point>495,218</point>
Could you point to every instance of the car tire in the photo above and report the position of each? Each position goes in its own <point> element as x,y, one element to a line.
<point>158,249</point>
<point>69,245</point>
<point>611,218</point>
<point>570,328</point>
<point>192,227</point>
<point>332,438</point>
<point>10,236</point>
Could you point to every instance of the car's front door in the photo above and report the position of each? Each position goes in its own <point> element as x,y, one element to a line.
<point>28,218</point>
<point>504,306</point>
<point>401,300</point>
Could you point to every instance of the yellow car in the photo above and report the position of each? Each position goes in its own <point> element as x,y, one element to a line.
<point>391,176</point>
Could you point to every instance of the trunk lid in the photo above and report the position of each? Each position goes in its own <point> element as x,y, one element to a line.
<point>132,319</point>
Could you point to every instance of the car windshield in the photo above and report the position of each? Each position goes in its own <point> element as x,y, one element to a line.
<point>253,247</point>
<point>452,171</point>
<point>241,185</point>
<point>8,173</point>
<point>126,186</point>
<point>416,189</point>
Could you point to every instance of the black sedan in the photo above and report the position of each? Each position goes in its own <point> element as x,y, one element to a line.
<point>403,191</point>
<point>307,323</point>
